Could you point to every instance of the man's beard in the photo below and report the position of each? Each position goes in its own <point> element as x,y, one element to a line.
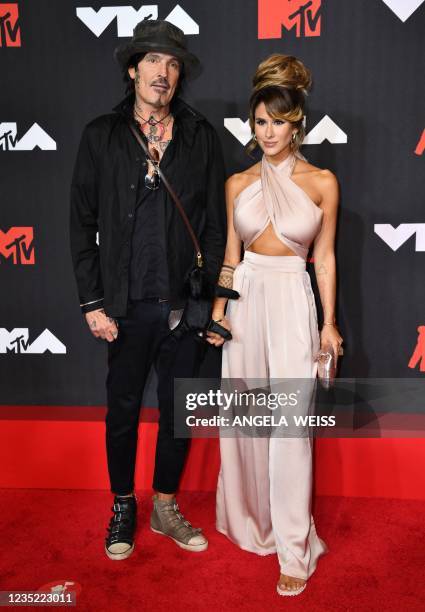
<point>158,103</point>
<point>155,100</point>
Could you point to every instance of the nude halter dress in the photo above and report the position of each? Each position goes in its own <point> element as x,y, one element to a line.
<point>264,490</point>
<point>275,198</point>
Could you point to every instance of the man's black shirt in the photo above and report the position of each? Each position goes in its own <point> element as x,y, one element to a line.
<point>108,183</point>
<point>148,260</point>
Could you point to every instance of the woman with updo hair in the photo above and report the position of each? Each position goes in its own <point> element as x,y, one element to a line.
<point>277,209</point>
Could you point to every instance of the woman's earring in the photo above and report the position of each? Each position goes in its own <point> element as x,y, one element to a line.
<point>294,135</point>
<point>254,137</point>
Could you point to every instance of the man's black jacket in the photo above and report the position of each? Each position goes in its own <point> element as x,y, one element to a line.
<point>107,183</point>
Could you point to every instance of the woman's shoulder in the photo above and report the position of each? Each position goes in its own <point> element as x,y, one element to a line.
<point>240,180</point>
<point>321,177</point>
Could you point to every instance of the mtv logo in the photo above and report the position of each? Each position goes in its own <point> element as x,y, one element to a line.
<point>127,17</point>
<point>35,137</point>
<point>303,15</point>
<point>403,8</point>
<point>17,245</point>
<point>420,147</point>
<point>418,355</point>
<point>395,237</point>
<point>326,129</point>
<point>17,342</point>
<point>10,32</point>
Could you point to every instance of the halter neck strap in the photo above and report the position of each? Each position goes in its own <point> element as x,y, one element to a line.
<point>285,167</point>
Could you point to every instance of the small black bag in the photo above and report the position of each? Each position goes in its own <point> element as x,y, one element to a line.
<point>198,289</point>
<point>199,294</point>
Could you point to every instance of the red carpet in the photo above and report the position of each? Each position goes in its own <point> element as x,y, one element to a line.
<point>376,559</point>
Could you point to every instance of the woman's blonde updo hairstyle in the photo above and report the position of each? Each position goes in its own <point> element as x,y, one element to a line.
<point>282,83</point>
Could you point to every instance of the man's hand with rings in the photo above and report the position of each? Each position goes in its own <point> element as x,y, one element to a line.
<point>102,326</point>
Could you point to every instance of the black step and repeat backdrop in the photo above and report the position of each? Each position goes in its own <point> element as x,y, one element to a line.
<point>365,122</point>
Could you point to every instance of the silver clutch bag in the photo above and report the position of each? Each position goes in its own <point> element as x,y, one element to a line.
<point>326,366</point>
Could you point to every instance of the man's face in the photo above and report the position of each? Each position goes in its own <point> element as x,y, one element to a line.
<point>156,78</point>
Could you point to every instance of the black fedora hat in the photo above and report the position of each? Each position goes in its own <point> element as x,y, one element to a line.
<point>163,37</point>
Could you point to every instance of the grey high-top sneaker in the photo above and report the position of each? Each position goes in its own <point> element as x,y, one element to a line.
<point>167,519</point>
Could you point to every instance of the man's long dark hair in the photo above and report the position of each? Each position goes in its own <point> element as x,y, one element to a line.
<point>133,63</point>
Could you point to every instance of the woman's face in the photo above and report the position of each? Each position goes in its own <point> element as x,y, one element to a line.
<point>273,135</point>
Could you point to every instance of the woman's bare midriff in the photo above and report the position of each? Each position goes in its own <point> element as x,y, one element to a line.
<point>268,243</point>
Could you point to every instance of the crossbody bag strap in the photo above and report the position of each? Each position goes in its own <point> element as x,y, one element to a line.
<point>199,260</point>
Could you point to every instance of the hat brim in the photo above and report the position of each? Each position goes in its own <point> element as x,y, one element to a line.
<point>192,65</point>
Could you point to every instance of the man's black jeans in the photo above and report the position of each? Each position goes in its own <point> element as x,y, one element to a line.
<point>144,338</point>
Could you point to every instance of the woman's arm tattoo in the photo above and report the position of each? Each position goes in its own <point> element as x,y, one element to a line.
<point>226,277</point>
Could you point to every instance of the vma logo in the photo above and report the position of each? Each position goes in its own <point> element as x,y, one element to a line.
<point>127,17</point>
<point>403,8</point>
<point>303,15</point>
<point>35,137</point>
<point>10,32</point>
<point>17,246</point>
<point>326,129</point>
<point>418,355</point>
<point>395,237</point>
<point>17,342</point>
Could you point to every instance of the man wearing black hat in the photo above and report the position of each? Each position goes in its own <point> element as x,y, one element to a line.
<point>133,280</point>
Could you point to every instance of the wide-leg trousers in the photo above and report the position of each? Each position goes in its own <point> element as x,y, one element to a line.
<point>264,490</point>
<point>144,341</point>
